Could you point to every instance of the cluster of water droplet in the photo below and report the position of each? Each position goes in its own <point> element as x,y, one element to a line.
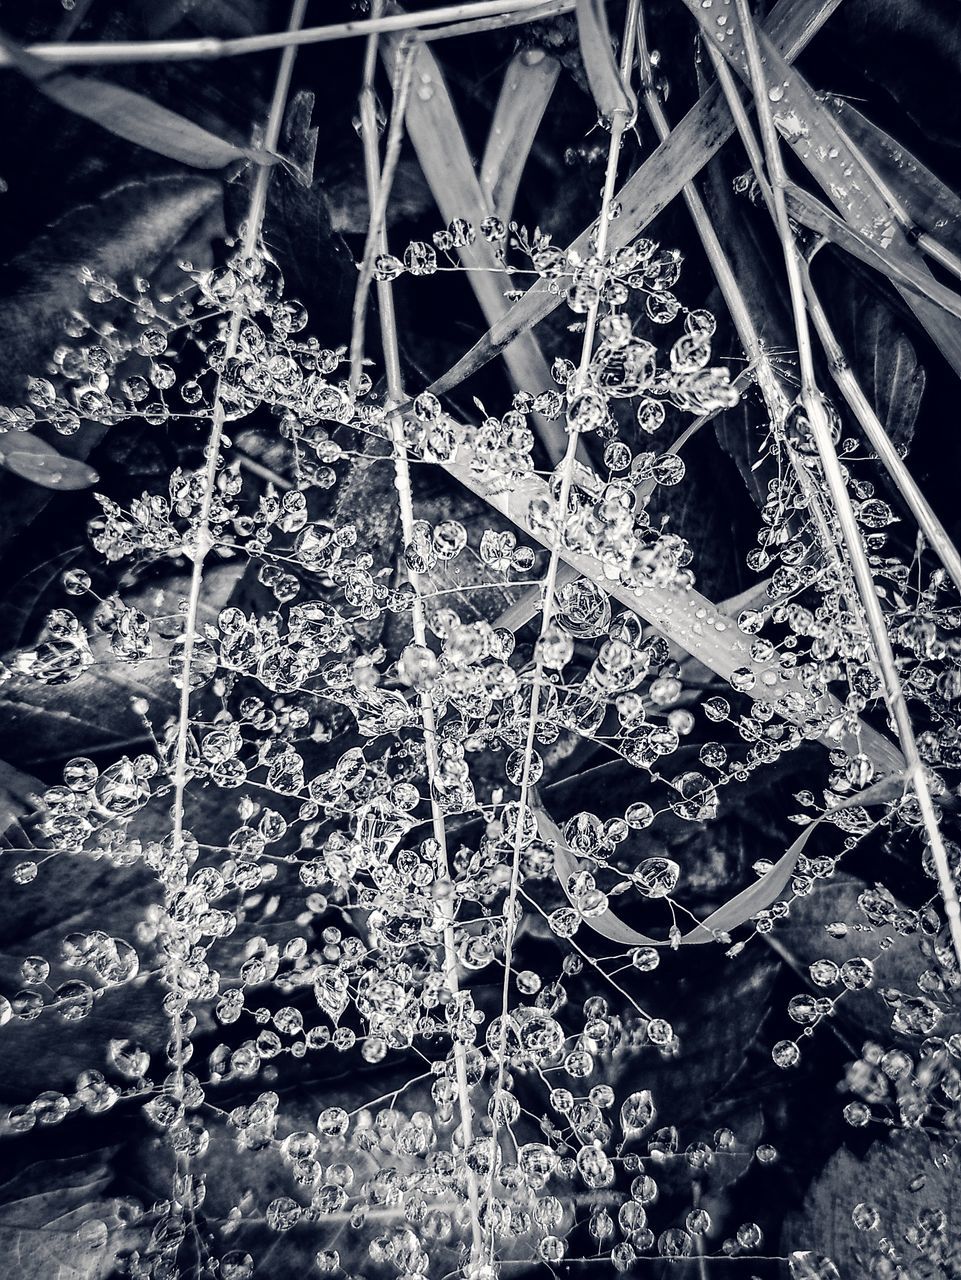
<point>306,727</point>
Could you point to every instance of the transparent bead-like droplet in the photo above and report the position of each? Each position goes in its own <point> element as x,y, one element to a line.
<point>675,1243</point>
<point>696,797</point>
<point>638,1112</point>
<point>805,1265</point>
<point>656,877</point>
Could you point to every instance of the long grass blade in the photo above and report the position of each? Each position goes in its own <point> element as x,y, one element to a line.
<point>813,133</point>
<point>684,616</point>
<point>736,911</point>
<point>527,89</point>
<point>132,116</point>
<point>611,94</point>
<point>208,48</point>
<point>914,281</point>
<point>929,202</point>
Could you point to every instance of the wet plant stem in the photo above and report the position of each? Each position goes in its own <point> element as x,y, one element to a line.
<point>619,125</point>
<point>396,396</point>
<point>202,538</point>
<point>206,49</point>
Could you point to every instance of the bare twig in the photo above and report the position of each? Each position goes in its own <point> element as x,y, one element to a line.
<point>375,243</point>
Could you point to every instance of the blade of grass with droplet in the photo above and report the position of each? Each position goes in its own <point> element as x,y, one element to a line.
<point>661,178</point>
<point>932,204</point>
<point>737,911</point>
<point>527,89</point>
<point>817,139</point>
<point>131,116</point>
<point>681,614</point>
<point>435,131</point>
<point>597,52</point>
<point>909,275</point>
<point>528,605</point>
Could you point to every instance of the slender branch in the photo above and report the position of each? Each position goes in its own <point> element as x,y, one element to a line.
<point>395,396</point>
<point>837,486</point>
<point>208,49</point>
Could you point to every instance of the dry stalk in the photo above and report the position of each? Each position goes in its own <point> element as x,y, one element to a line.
<point>206,49</point>
<point>203,541</point>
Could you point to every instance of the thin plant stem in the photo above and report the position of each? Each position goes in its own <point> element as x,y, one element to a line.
<point>837,486</point>
<point>206,48</point>
<point>395,396</point>
<point>375,243</point>
<point>774,397</point>
<point>547,9</point>
<point>619,125</point>
<point>202,539</point>
<point>928,522</point>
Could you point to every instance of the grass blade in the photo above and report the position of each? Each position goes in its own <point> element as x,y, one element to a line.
<point>132,116</point>
<point>813,133</point>
<point>930,203</point>
<point>737,911</point>
<point>528,85</point>
<point>912,278</point>
<point>603,74</point>
<point>685,617</point>
<point>34,459</point>
<point>528,606</point>
<point>435,131</point>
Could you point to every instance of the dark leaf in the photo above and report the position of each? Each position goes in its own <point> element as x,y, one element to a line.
<point>133,228</point>
<point>803,937</point>
<point>881,354</point>
<point>902,1176</point>
<point>32,458</point>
